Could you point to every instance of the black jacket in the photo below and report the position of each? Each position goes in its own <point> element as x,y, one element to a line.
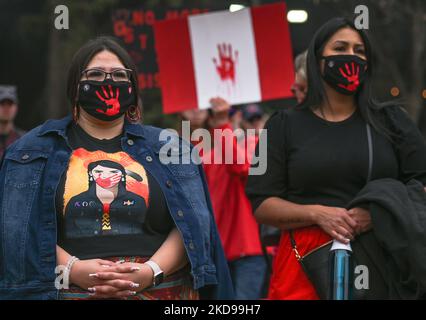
<point>398,215</point>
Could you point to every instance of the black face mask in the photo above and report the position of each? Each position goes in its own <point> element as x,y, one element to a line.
<point>344,73</point>
<point>106,100</point>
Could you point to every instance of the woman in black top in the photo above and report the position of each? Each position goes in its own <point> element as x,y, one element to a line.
<point>317,157</point>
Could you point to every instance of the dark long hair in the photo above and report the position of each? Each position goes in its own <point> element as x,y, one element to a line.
<point>82,58</point>
<point>369,107</point>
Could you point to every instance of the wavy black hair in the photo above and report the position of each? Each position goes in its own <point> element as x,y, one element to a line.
<point>369,107</point>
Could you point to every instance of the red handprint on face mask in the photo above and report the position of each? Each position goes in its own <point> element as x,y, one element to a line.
<point>108,182</point>
<point>111,101</point>
<point>227,61</point>
<point>352,75</point>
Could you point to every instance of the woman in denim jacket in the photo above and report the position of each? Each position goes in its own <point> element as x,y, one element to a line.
<point>96,205</point>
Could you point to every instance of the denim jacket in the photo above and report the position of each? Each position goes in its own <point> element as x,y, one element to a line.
<point>30,173</point>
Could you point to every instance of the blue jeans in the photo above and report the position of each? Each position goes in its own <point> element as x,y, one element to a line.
<point>248,276</point>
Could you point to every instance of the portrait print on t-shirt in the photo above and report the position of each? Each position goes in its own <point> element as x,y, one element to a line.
<point>105,194</point>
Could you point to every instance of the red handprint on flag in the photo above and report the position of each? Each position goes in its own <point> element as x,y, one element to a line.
<point>227,62</point>
<point>352,75</point>
<point>111,101</point>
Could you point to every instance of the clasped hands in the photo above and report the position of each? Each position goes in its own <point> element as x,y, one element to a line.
<point>342,224</point>
<point>111,280</point>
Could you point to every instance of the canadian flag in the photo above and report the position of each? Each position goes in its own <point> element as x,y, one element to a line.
<point>243,57</point>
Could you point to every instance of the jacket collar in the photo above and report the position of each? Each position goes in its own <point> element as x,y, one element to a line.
<point>59,127</point>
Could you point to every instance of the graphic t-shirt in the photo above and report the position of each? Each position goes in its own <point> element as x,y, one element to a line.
<point>107,203</point>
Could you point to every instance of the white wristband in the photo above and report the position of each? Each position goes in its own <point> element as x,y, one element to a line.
<point>154,266</point>
<point>158,273</point>
<point>67,271</point>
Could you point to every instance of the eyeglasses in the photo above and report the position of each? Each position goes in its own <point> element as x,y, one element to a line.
<point>116,75</point>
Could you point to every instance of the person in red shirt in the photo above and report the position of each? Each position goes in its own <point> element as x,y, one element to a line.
<point>226,180</point>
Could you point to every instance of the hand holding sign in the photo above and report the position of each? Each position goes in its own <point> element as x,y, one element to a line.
<point>220,112</point>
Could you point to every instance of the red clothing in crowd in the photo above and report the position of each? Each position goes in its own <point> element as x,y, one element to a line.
<point>289,281</point>
<point>237,227</point>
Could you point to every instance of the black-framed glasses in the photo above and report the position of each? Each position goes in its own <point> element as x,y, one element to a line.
<point>117,75</point>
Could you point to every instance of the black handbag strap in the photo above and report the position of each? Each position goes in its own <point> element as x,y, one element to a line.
<point>294,245</point>
<point>369,173</point>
